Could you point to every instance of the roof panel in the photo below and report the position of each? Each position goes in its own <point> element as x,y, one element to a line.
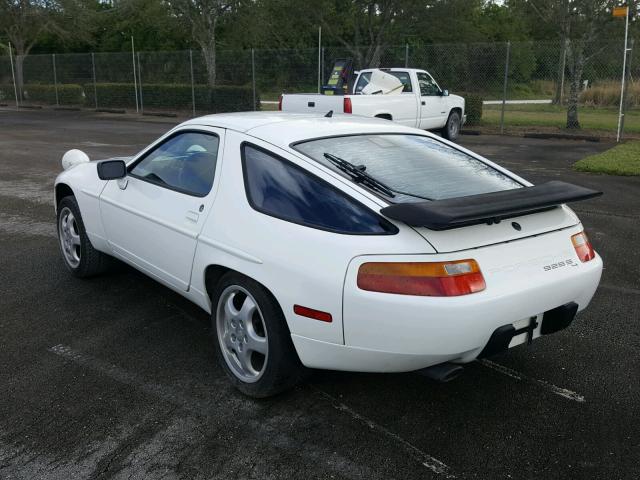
<point>281,128</point>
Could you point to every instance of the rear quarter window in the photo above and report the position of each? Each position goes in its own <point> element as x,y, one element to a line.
<point>281,189</point>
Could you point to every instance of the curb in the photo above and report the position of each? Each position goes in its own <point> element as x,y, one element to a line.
<point>109,110</point>
<point>563,136</point>
<point>160,114</point>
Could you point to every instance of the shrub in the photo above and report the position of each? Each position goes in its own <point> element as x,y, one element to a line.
<point>607,94</point>
<point>7,93</point>
<point>473,108</point>
<point>172,96</point>
<point>68,94</point>
<point>110,95</point>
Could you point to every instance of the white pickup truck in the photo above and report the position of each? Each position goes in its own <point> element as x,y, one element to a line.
<point>420,103</point>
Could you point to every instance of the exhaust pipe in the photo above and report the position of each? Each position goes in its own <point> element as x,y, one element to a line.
<point>443,372</point>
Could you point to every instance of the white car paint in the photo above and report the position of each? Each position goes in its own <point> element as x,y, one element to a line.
<point>411,109</point>
<point>174,237</point>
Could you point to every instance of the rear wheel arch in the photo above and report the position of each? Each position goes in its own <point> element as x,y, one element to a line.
<point>213,274</point>
<point>385,116</point>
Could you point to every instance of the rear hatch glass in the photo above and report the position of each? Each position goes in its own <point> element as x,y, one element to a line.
<point>417,168</point>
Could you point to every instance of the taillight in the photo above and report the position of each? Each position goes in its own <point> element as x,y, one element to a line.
<point>347,107</point>
<point>280,103</point>
<point>431,279</point>
<point>583,247</point>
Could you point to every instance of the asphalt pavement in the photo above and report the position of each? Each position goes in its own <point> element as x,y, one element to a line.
<point>115,377</point>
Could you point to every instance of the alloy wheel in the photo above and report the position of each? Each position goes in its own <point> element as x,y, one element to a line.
<point>69,235</point>
<point>242,334</point>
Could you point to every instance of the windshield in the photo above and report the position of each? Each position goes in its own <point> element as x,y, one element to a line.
<point>418,167</point>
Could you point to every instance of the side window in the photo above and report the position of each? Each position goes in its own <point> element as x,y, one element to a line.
<point>405,79</point>
<point>365,78</point>
<point>428,87</point>
<point>363,81</point>
<point>185,162</point>
<point>283,190</point>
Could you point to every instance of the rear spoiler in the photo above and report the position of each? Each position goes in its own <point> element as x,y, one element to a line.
<point>487,207</point>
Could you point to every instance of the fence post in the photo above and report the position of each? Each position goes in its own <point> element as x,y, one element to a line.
<point>564,64</point>
<point>319,58</point>
<point>406,55</point>
<point>135,80</point>
<point>504,88</point>
<point>95,87</point>
<point>140,82</point>
<point>253,77</point>
<point>322,67</point>
<point>193,88</point>
<point>13,74</point>
<point>55,78</point>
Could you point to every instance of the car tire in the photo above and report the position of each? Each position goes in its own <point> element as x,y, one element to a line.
<point>451,129</point>
<point>79,256</point>
<point>252,340</point>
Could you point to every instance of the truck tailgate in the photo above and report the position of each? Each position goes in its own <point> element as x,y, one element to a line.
<point>311,103</point>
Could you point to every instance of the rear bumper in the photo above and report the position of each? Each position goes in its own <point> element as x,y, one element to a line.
<point>395,333</point>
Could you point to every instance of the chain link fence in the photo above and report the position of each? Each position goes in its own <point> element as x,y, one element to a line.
<point>517,84</point>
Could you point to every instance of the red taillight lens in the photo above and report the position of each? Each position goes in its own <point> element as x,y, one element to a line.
<point>432,279</point>
<point>583,247</point>
<point>347,107</point>
<point>280,103</point>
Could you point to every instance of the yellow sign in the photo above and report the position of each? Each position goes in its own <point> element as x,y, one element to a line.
<point>620,11</point>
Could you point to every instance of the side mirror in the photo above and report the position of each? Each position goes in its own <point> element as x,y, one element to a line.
<point>445,93</point>
<point>112,169</point>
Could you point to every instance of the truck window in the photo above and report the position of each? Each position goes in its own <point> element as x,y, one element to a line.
<point>428,86</point>
<point>364,79</point>
<point>419,166</point>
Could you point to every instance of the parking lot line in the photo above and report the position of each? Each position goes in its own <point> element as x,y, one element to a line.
<point>425,459</point>
<point>563,392</point>
<point>266,427</point>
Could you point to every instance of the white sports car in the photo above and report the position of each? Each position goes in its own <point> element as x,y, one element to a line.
<point>339,243</point>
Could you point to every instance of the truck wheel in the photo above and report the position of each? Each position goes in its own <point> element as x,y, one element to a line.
<point>80,258</point>
<point>253,343</point>
<point>451,129</point>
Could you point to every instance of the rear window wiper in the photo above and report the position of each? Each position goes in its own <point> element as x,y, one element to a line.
<point>358,174</point>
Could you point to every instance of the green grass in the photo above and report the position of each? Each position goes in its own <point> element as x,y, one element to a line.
<point>591,118</point>
<point>623,159</point>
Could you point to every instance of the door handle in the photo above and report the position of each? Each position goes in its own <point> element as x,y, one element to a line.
<point>423,102</point>
<point>193,216</point>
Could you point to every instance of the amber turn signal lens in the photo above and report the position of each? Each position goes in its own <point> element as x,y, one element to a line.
<point>432,279</point>
<point>583,247</point>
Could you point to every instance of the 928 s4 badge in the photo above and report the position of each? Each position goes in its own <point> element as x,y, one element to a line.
<point>565,263</point>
